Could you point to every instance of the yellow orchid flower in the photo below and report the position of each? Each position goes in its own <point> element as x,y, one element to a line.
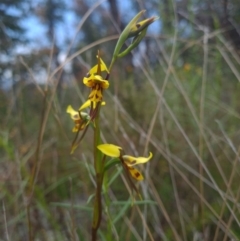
<point>81,119</point>
<point>127,161</point>
<point>95,81</point>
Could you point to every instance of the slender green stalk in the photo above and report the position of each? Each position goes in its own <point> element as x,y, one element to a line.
<point>98,165</point>
<point>201,121</point>
<point>30,238</point>
<point>112,63</point>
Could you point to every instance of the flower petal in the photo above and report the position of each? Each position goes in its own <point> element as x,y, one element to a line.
<point>95,80</point>
<point>103,65</point>
<point>94,69</point>
<point>88,81</point>
<point>104,84</point>
<point>95,95</point>
<point>131,160</point>
<point>79,127</point>
<point>85,105</point>
<point>110,150</point>
<point>99,80</point>
<point>74,114</point>
<point>135,173</point>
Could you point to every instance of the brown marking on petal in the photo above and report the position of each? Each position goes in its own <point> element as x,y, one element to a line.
<point>138,25</point>
<point>98,97</point>
<point>77,121</point>
<point>130,162</point>
<point>137,174</point>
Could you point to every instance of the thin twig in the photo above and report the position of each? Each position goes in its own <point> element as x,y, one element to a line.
<point>201,115</point>
<point>5,221</point>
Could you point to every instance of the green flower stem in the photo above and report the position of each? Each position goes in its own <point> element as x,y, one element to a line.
<point>98,165</point>
<point>134,44</point>
<point>112,62</point>
<point>97,154</point>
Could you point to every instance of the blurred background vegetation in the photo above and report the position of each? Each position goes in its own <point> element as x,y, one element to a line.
<point>176,95</point>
